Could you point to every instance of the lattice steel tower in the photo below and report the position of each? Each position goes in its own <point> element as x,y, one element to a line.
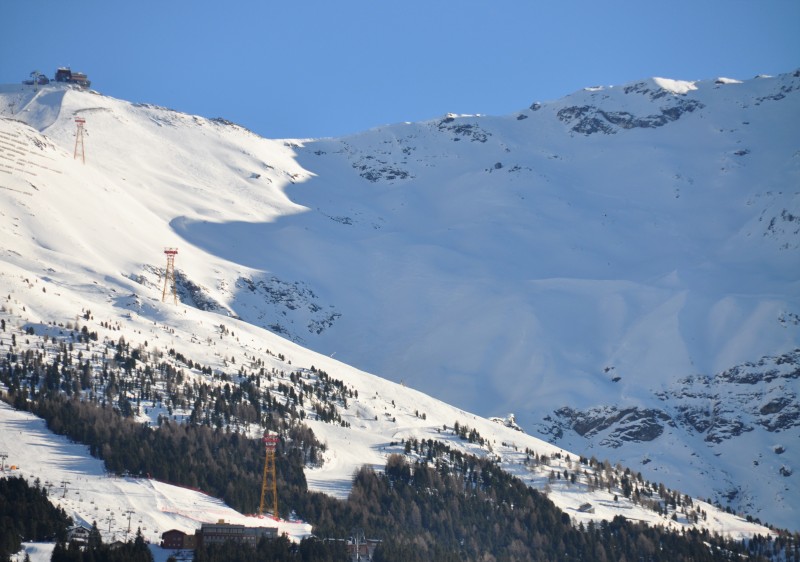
<point>80,122</point>
<point>169,276</point>
<point>270,444</point>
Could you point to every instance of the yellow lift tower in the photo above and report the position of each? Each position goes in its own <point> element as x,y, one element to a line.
<point>270,444</point>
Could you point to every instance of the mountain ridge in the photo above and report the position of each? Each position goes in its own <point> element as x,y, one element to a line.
<point>513,264</point>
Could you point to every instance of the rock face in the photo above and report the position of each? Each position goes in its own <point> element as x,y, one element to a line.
<point>292,309</point>
<point>740,399</point>
<point>751,408</point>
<point>588,120</point>
<point>617,426</point>
<point>718,407</point>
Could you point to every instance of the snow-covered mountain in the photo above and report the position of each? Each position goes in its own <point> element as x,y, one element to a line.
<point>376,418</point>
<point>618,267</point>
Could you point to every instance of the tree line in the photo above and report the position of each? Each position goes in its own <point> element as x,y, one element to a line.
<point>26,514</point>
<point>447,505</point>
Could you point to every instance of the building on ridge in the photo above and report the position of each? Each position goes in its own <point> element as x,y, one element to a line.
<point>65,74</point>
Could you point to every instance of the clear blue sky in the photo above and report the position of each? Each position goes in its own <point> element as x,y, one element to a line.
<point>313,68</point>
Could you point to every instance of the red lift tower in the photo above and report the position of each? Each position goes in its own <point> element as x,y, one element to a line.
<point>80,122</point>
<point>169,276</point>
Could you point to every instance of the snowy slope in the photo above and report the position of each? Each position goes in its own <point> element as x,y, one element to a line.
<point>380,418</point>
<point>587,253</point>
<point>78,483</point>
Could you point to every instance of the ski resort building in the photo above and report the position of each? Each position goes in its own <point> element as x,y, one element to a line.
<point>175,539</point>
<point>78,534</point>
<point>65,74</point>
<point>221,532</point>
<point>216,533</point>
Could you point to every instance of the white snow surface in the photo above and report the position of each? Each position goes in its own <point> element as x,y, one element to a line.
<point>91,495</point>
<point>675,86</point>
<point>514,263</point>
